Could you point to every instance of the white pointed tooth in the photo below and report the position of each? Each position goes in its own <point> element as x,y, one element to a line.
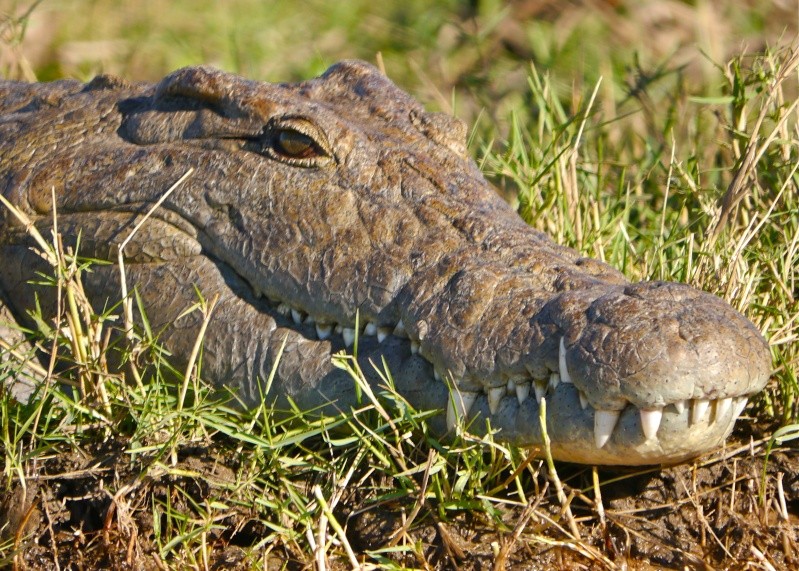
<point>679,406</point>
<point>604,423</point>
<point>699,409</point>
<point>540,388</point>
<point>399,330</point>
<point>522,391</point>
<point>309,320</point>
<point>414,347</point>
<point>383,333</point>
<point>564,370</point>
<point>348,334</point>
<point>323,331</point>
<point>339,328</point>
<point>258,293</point>
<point>583,400</point>
<point>511,387</point>
<point>554,381</point>
<point>460,403</point>
<point>452,415</point>
<point>283,309</point>
<point>723,406</point>
<point>495,395</point>
<point>436,375</point>
<point>297,316</point>
<point>650,421</point>
<point>740,405</point>
<point>370,329</point>
<point>468,399</point>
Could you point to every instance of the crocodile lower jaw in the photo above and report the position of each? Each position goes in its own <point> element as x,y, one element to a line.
<point>713,418</point>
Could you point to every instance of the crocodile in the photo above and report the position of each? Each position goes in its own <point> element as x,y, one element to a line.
<point>337,211</point>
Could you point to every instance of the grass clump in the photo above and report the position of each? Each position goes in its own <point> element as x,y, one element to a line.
<point>717,210</point>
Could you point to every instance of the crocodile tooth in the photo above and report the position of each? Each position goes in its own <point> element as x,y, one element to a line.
<point>650,421</point>
<point>540,388</point>
<point>383,333</point>
<point>699,409</point>
<point>511,387</point>
<point>399,330</point>
<point>283,309</point>
<point>339,328</point>
<point>554,381</point>
<point>414,347</point>
<point>309,320</point>
<point>495,395</point>
<point>679,406</point>
<point>460,403</point>
<point>740,405</point>
<point>604,423</point>
<point>564,370</point>
<point>436,375</point>
<point>522,392</point>
<point>370,329</point>
<point>723,406</point>
<point>257,292</point>
<point>297,316</point>
<point>323,330</point>
<point>349,336</point>
<point>583,400</point>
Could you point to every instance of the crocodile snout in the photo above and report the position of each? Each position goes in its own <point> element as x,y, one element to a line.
<point>664,350</point>
<point>660,371</point>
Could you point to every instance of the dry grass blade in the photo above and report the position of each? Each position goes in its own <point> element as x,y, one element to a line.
<point>553,473</point>
<point>189,374</point>
<point>84,331</point>
<point>508,544</point>
<point>127,302</point>
<point>737,189</point>
<point>329,517</point>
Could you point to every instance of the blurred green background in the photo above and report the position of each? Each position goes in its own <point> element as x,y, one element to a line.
<point>471,58</point>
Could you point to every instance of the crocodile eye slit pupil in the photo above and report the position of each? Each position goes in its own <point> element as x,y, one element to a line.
<point>296,145</point>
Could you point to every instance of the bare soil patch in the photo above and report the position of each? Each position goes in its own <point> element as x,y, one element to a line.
<point>93,509</point>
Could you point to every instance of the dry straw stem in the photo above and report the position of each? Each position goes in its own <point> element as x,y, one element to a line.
<point>553,473</point>
<point>86,333</point>
<point>207,310</point>
<point>421,500</point>
<point>329,517</point>
<point>755,150</point>
<point>30,367</point>
<point>521,524</point>
<point>572,188</point>
<point>127,302</point>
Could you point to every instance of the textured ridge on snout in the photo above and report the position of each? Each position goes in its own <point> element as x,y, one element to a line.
<point>656,343</point>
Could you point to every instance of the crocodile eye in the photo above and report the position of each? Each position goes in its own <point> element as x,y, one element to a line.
<point>296,141</point>
<point>295,144</point>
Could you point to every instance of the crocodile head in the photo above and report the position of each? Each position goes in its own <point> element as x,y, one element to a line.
<point>339,201</point>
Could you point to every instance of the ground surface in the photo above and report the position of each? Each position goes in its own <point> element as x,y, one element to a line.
<point>93,508</point>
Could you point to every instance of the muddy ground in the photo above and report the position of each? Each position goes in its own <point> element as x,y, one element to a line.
<point>93,510</point>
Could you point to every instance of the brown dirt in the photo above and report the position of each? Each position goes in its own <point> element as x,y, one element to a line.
<point>93,510</point>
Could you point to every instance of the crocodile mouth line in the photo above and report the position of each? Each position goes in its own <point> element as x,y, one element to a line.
<point>520,388</point>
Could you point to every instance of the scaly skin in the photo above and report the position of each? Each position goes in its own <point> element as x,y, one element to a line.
<point>314,202</point>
